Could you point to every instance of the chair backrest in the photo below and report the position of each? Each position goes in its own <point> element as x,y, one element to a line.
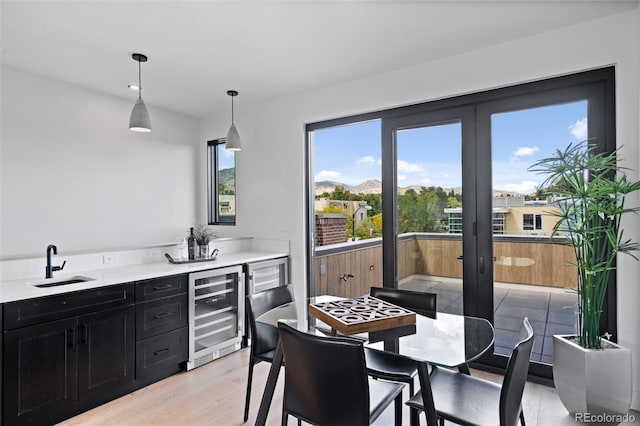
<point>264,337</point>
<point>417,301</point>
<point>516,376</point>
<point>325,378</point>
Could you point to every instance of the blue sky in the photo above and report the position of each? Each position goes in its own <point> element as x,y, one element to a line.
<point>431,156</point>
<point>226,159</point>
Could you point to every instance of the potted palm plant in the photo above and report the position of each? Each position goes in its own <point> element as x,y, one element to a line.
<point>591,374</point>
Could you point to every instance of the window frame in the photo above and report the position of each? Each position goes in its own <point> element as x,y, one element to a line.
<point>213,196</point>
<point>596,85</point>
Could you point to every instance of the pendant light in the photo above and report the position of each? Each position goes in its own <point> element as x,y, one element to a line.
<point>140,120</point>
<point>233,138</point>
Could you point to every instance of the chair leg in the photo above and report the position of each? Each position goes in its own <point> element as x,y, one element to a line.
<point>522,418</point>
<point>414,415</point>
<point>285,418</point>
<point>248,396</point>
<point>441,421</point>
<point>398,410</point>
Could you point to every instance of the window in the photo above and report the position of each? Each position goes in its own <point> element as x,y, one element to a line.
<point>531,222</point>
<point>221,184</point>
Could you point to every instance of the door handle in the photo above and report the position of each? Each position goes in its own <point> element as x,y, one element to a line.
<point>481,264</point>
<point>83,332</point>
<point>459,257</point>
<point>70,336</point>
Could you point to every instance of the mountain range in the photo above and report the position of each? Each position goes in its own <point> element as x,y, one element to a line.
<point>374,186</point>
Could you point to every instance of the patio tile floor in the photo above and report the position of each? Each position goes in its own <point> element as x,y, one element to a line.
<point>550,311</point>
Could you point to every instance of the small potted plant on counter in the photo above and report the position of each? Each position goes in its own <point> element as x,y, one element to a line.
<point>591,374</point>
<point>203,236</point>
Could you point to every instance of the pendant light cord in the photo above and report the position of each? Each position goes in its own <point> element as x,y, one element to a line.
<point>232,109</point>
<point>139,80</point>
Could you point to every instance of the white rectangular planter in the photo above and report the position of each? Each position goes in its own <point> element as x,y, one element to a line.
<point>595,381</point>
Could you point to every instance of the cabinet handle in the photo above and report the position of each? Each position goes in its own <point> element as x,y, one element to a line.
<point>161,351</point>
<point>83,332</point>
<point>162,287</point>
<point>70,336</point>
<point>162,315</point>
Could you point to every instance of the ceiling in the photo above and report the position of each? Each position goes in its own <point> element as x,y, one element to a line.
<point>264,49</point>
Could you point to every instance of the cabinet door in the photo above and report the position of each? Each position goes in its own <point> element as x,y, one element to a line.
<point>106,354</point>
<point>40,368</point>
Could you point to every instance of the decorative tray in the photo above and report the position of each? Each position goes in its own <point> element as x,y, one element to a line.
<point>362,314</point>
<point>181,260</point>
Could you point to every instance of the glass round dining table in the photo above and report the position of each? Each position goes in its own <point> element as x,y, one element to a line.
<point>446,340</point>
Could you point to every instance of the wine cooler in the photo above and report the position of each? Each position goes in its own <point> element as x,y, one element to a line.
<point>216,314</point>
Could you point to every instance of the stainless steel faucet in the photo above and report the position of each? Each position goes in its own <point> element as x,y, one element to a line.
<point>49,270</point>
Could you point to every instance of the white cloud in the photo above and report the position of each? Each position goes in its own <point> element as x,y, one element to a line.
<point>579,129</point>
<point>402,178</point>
<point>425,180</point>
<point>405,166</point>
<point>328,175</point>
<point>525,187</point>
<point>366,161</point>
<point>525,151</point>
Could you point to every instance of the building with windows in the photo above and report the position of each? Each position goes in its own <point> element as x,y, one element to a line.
<point>513,216</point>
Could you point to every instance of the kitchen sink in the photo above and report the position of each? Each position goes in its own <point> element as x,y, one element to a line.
<point>53,282</point>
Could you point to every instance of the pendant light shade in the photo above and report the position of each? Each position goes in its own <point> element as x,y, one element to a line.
<point>140,120</point>
<point>232,142</point>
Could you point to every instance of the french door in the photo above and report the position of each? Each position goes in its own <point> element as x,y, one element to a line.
<point>462,216</point>
<point>424,256</point>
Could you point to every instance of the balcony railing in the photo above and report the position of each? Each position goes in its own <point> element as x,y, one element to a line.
<point>350,269</point>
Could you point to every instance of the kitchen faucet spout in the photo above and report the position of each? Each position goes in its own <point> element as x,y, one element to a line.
<point>52,249</point>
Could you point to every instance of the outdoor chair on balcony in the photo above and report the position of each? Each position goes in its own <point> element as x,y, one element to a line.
<point>326,383</point>
<point>264,338</point>
<point>467,400</point>
<point>384,365</point>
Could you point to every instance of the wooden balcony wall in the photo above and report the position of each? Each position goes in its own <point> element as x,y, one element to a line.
<point>364,263</point>
<point>534,261</point>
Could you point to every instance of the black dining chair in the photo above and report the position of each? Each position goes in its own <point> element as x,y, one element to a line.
<point>468,400</point>
<point>264,338</point>
<point>326,382</point>
<point>386,366</point>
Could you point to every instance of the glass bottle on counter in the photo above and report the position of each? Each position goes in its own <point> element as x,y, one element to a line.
<point>191,246</point>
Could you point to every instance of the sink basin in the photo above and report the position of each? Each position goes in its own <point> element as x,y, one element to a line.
<point>53,282</point>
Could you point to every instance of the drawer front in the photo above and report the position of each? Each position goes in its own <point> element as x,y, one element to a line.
<point>163,352</point>
<point>161,287</point>
<point>44,309</point>
<point>162,315</point>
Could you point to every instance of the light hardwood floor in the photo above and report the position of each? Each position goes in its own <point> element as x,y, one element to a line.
<point>214,395</point>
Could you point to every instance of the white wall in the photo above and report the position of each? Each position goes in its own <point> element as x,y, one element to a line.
<point>72,174</point>
<point>270,179</point>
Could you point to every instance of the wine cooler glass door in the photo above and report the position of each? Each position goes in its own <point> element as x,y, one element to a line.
<point>216,311</point>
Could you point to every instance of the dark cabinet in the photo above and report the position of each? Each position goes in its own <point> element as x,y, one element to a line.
<point>162,319</point>
<point>76,359</point>
<point>64,354</point>
<point>106,355</point>
<point>40,369</point>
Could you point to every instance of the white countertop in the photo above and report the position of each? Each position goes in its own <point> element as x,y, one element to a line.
<point>21,289</point>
